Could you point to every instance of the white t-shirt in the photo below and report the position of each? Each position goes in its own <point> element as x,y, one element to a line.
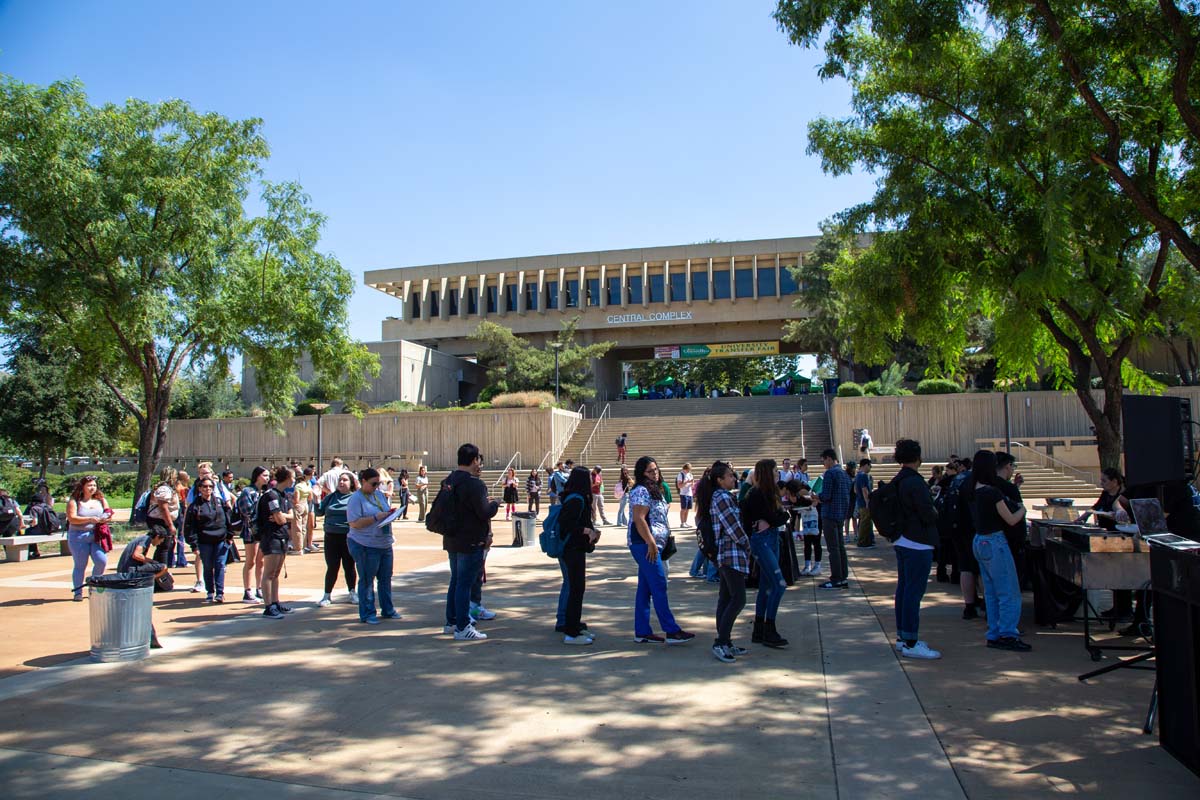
<point>785,475</point>
<point>329,481</point>
<point>686,483</point>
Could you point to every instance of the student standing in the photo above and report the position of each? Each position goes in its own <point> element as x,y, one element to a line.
<point>421,489</point>
<point>718,510</point>
<point>576,526</point>
<point>247,506</point>
<point>274,531</point>
<point>762,515</point>
<point>1001,592</point>
<point>466,546</point>
<point>371,546</point>
<point>914,549</point>
<point>685,482</point>
<point>510,493</point>
<point>646,538</point>
<point>86,508</point>
<point>533,491</point>
<point>337,547</point>
<point>864,531</point>
<point>598,493</point>
<point>833,501</point>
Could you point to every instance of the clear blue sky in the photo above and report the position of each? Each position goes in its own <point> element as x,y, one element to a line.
<point>432,132</point>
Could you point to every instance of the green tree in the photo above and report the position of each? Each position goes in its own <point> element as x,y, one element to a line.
<point>514,365</point>
<point>206,391</point>
<point>47,409</point>
<point>988,203</point>
<point>125,232</point>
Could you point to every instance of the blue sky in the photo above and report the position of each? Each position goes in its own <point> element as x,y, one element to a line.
<point>446,132</point>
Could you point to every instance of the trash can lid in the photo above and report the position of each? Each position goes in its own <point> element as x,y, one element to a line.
<point>122,580</point>
<point>525,515</point>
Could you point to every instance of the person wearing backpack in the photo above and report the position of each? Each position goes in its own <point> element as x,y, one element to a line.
<point>717,511</point>
<point>274,514</point>
<point>45,519</point>
<point>917,526</point>
<point>247,506</point>
<point>467,540</point>
<point>557,480</point>
<point>11,521</point>
<point>577,529</point>
<point>621,442</point>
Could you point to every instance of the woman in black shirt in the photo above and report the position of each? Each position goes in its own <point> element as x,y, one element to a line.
<point>1001,590</point>
<point>576,526</point>
<point>206,528</point>
<point>762,516</point>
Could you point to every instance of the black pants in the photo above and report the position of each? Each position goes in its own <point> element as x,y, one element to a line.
<point>730,601</point>
<point>534,503</point>
<point>338,553</point>
<point>576,563</point>
<point>812,547</point>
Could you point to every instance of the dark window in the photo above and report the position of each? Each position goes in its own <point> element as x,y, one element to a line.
<point>635,290</point>
<point>415,305</point>
<point>678,287</point>
<point>720,285</point>
<point>510,297</point>
<point>766,281</point>
<point>454,302</point>
<point>572,294</point>
<point>531,298</point>
<point>787,284</point>
<point>593,289</point>
<point>700,285</point>
<point>614,291</point>
<point>473,300</point>
<point>744,280</point>
<point>435,305</point>
<point>551,294</point>
<point>656,289</point>
<point>491,299</point>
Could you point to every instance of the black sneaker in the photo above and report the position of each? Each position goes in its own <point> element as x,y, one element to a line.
<point>843,584</point>
<point>680,637</point>
<point>283,608</point>
<point>969,612</point>
<point>828,585</point>
<point>649,639</point>
<point>272,612</point>
<point>1009,643</point>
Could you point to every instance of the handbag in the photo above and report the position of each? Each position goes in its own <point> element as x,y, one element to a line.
<point>669,549</point>
<point>164,583</point>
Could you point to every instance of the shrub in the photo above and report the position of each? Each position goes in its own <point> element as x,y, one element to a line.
<point>523,400</point>
<point>305,409</point>
<point>871,388</point>
<point>398,407</point>
<point>938,386</point>
<point>478,406</point>
<point>357,407</point>
<point>20,482</point>
<point>850,389</point>
<point>488,392</point>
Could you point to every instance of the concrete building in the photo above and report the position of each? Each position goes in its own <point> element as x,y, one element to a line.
<point>735,294</point>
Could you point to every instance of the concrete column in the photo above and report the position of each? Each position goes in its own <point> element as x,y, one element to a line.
<point>645,283</point>
<point>603,286</point>
<point>483,297</point>
<point>406,302</point>
<point>425,299</point>
<point>754,273</point>
<point>583,303</point>
<point>711,289</point>
<point>541,287</point>
<point>624,286</point>
<point>732,282</point>
<point>778,277</point>
<point>501,309</point>
<point>462,297</point>
<point>444,299</point>
<point>521,302</point>
<point>687,281</point>
<point>562,290</point>
<point>667,282</point>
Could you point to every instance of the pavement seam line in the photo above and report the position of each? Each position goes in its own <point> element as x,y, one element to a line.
<point>837,789</point>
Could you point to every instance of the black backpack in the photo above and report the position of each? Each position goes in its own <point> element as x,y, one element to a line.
<point>442,517</point>
<point>706,538</point>
<point>887,511</point>
<point>10,517</point>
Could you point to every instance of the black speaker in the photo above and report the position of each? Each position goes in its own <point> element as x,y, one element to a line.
<point>1176,579</point>
<point>1157,439</point>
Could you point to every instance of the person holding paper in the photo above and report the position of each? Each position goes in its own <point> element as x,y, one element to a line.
<point>369,515</point>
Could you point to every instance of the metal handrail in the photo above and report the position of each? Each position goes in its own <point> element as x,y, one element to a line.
<point>562,442</point>
<point>599,426</point>
<point>515,457</point>
<point>1087,476</point>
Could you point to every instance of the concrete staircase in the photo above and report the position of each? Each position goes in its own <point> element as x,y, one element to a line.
<point>1040,482</point>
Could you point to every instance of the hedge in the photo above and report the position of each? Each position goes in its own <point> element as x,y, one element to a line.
<point>938,386</point>
<point>850,389</point>
<point>19,482</point>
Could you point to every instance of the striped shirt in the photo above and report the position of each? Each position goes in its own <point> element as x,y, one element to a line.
<point>733,545</point>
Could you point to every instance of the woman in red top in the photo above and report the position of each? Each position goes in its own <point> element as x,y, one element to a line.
<point>598,494</point>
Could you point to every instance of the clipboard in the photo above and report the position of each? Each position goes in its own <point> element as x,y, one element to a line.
<point>390,518</point>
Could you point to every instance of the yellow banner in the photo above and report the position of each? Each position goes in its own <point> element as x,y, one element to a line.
<point>732,349</point>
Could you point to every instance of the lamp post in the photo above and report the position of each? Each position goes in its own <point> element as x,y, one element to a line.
<point>320,408</point>
<point>555,346</point>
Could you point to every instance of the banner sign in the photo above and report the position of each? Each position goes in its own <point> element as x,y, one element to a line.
<point>726,350</point>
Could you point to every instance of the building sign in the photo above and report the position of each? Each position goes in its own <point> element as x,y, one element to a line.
<point>727,350</point>
<point>652,316</point>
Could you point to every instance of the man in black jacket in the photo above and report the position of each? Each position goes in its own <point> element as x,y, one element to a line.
<point>914,549</point>
<point>472,516</point>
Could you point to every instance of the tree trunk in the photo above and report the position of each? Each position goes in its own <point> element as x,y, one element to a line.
<point>1106,420</point>
<point>152,435</point>
<point>44,459</point>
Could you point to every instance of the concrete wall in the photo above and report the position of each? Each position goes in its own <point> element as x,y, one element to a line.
<point>243,443</point>
<point>953,423</point>
<point>407,371</point>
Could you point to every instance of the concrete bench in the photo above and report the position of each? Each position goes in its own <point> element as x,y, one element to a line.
<point>16,548</point>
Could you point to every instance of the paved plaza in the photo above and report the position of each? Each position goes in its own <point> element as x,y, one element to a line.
<point>320,706</point>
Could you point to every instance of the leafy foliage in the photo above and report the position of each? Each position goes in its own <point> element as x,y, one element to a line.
<point>938,386</point>
<point>850,389</point>
<point>206,392</point>
<point>514,365</point>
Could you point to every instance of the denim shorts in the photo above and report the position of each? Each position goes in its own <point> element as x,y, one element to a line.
<point>685,501</point>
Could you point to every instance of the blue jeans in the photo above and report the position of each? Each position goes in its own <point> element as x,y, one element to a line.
<point>712,572</point>
<point>560,618</point>
<point>697,569</point>
<point>1001,592</point>
<point>83,546</point>
<point>464,570</point>
<point>212,560</point>
<point>912,576</point>
<point>621,507</point>
<point>374,565</point>
<point>764,546</point>
<point>651,586</point>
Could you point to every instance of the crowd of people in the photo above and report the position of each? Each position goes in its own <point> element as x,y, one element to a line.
<point>968,518</point>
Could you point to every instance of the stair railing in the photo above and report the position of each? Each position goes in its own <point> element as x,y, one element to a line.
<point>1052,463</point>
<point>605,414</point>
<point>556,450</point>
<point>514,461</point>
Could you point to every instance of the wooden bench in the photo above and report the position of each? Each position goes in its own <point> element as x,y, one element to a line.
<point>16,548</point>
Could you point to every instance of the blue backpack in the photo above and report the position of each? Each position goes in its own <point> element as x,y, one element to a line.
<point>551,540</point>
<point>141,508</point>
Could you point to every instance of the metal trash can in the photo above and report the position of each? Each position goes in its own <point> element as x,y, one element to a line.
<point>524,523</point>
<point>119,607</point>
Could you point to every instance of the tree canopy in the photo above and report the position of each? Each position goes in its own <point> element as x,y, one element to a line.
<point>990,200</point>
<point>123,229</point>
<point>514,365</point>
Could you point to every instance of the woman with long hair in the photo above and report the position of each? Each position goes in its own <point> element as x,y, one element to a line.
<point>647,536</point>
<point>421,490</point>
<point>205,528</point>
<point>1001,591</point>
<point>371,545</point>
<point>86,508</point>
<point>274,534</point>
<point>621,492</point>
<point>247,506</point>
<point>533,491</point>
<point>717,509</point>
<point>403,491</point>
<point>576,526</point>
<point>183,486</point>
<point>337,549</point>
<point>763,515</point>
<point>510,492</point>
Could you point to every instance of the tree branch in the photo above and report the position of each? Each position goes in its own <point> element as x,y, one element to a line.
<point>1184,63</point>
<point>138,414</point>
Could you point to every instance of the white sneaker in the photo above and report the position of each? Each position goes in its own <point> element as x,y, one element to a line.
<point>816,569</point>
<point>352,597</point>
<point>198,587</point>
<point>468,634</point>
<point>447,629</point>
<point>807,570</point>
<point>479,612</point>
<point>325,601</point>
<point>919,650</point>
<point>582,638</point>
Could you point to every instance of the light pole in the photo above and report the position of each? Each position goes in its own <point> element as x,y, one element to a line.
<point>320,409</point>
<point>555,346</point>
